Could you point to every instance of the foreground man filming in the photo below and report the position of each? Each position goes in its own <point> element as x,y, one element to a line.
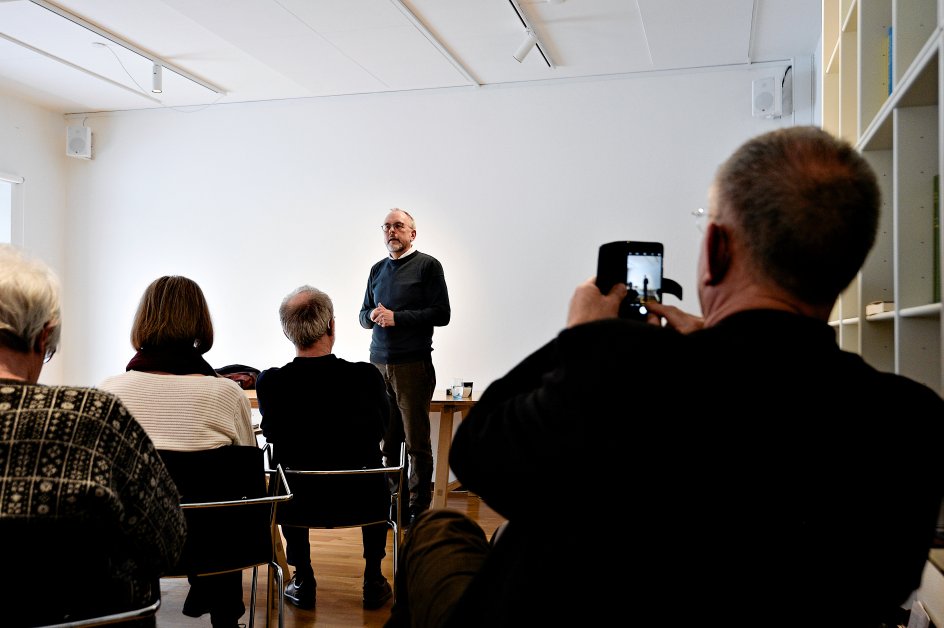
<point>772,480</point>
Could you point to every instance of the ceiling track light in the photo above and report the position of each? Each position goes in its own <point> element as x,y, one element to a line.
<point>157,79</point>
<point>525,47</point>
<point>157,61</point>
<point>532,40</point>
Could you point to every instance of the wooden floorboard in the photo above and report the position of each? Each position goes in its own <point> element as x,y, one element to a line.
<point>339,570</point>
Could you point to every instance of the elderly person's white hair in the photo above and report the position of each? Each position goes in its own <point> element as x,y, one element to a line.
<point>29,301</point>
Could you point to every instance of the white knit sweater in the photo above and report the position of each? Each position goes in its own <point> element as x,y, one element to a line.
<point>185,412</point>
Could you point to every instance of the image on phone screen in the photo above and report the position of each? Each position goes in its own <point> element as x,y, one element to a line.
<point>643,277</point>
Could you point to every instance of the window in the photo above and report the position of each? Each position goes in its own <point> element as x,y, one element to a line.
<point>10,209</point>
<point>6,211</point>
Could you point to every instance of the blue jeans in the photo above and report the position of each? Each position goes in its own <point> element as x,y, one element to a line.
<point>410,388</point>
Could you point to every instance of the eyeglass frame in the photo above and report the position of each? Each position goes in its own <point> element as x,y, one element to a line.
<point>701,218</point>
<point>398,226</point>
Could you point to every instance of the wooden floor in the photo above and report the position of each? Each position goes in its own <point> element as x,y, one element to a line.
<point>339,569</point>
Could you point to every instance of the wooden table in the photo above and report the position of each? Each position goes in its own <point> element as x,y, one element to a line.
<point>447,407</point>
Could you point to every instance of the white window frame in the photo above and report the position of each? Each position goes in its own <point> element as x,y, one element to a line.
<point>16,206</point>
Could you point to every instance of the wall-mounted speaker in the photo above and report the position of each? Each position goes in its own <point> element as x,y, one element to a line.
<point>772,96</point>
<point>79,142</point>
<point>766,98</point>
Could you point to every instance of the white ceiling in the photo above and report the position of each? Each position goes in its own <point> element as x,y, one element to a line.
<point>256,50</point>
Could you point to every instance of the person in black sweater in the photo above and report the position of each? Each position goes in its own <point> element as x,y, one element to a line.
<point>322,412</point>
<point>745,503</point>
<point>406,297</point>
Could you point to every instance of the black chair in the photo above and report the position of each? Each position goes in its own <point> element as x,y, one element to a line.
<point>230,513</point>
<point>345,498</point>
<point>64,572</point>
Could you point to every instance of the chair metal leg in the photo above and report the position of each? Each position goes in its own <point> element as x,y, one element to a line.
<point>276,570</point>
<point>252,597</point>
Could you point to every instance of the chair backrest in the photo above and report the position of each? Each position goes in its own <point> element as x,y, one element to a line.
<point>343,498</point>
<point>228,507</point>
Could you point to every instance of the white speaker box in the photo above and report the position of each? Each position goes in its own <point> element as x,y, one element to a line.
<point>79,142</point>
<point>767,98</point>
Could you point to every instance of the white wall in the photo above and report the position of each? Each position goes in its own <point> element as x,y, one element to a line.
<point>513,190</point>
<point>32,146</point>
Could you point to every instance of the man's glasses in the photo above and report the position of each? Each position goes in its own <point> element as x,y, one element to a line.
<point>701,218</point>
<point>399,226</point>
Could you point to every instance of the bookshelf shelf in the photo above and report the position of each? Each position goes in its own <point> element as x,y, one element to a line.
<point>898,130</point>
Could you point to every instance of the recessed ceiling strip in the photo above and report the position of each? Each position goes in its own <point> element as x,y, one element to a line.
<point>420,26</point>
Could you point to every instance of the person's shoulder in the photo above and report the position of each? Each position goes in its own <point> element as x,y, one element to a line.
<point>219,385</point>
<point>919,397</point>
<point>617,328</point>
<point>357,365</point>
<point>95,393</point>
<point>91,399</point>
<point>271,372</point>
<point>379,264</point>
<point>116,379</point>
<point>426,257</point>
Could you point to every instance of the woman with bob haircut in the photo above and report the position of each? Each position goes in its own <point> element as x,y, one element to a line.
<point>184,405</point>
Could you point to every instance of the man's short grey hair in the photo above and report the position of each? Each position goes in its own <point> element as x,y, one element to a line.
<point>29,301</point>
<point>306,315</point>
<point>412,224</point>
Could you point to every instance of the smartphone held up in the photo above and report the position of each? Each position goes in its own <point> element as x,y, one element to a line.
<point>639,266</point>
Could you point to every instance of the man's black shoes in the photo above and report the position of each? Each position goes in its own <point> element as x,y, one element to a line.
<point>376,592</point>
<point>301,591</point>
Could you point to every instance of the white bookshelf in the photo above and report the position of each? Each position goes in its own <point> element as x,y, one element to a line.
<point>891,112</point>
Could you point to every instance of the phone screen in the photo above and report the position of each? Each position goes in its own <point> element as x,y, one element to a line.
<point>643,278</point>
<point>636,264</point>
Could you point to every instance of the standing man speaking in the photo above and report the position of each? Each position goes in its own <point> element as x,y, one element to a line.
<point>406,297</point>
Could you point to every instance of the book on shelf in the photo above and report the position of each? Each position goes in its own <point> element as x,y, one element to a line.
<point>936,239</point>
<point>889,53</point>
<point>877,307</point>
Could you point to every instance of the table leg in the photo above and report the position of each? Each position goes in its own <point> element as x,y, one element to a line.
<point>442,457</point>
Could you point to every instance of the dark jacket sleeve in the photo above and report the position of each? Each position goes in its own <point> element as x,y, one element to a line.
<point>508,434</point>
<point>369,304</point>
<point>524,440</point>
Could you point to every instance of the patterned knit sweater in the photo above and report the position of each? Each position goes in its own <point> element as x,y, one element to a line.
<point>77,455</point>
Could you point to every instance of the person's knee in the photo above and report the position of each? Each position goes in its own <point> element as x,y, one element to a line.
<point>444,523</point>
